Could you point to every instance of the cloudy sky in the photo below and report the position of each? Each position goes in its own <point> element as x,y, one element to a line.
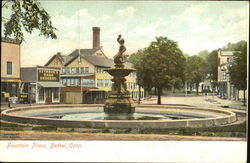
<point>195,25</point>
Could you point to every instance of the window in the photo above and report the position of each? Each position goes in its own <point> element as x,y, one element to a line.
<point>72,81</point>
<point>106,83</point>
<point>68,82</point>
<point>82,70</point>
<point>73,70</point>
<point>67,70</point>
<point>41,94</point>
<point>77,70</point>
<point>100,83</point>
<point>64,81</point>
<point>86,69</point>
<point>9,68</point>
<point>63,70</point>
<point>77,82</point>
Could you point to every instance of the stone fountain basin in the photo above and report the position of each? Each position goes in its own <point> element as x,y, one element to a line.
<point>39,115</point>
<point>120,72</point>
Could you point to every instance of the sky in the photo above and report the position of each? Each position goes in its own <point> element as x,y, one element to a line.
<point>195,25</point>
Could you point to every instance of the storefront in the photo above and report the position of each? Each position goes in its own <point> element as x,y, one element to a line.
<point>9,88</point>
<point>42,84</point>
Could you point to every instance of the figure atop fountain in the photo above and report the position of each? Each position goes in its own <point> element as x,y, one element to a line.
<point>119,58</point>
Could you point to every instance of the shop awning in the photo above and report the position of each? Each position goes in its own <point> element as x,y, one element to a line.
<point>51,84</point>
<point>10,80</point>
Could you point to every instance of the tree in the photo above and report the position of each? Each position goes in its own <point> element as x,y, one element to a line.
<point>212,67</point>
<point>27,15</point>
<point>195,71</point>
<point>158,64</point>
<point>203,54</point>
<point>238,68</point>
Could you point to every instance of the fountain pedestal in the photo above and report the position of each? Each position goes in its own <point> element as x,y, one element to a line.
<point>119,100</point>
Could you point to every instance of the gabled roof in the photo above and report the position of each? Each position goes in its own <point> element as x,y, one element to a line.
<point>87,54</point>
<point>61,58</point>
<point>83,52</point>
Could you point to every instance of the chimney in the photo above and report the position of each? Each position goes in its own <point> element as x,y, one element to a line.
<point>96,37</point>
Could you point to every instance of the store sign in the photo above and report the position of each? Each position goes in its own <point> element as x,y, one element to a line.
<point>48,75</point>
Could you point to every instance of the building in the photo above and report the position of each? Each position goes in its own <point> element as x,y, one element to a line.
<point>10,68</point>
<point>225,88</point>
<point>83,75</point>
<point>41,84</point>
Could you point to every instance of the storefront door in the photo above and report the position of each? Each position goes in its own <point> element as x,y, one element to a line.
<point>48,95</point>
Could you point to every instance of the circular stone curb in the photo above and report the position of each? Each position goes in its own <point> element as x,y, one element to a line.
<point>217,117</point>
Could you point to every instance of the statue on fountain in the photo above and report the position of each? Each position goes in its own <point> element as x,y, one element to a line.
<point>119,58</point>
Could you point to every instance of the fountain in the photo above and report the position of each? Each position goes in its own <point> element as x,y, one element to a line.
<point>119,111</point>
<point>119,104</point>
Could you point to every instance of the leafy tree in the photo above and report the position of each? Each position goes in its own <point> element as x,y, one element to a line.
<point>177,83</point>
<point>238,68</point>
<point>203,54</point>
<point>233,46</point>
<point>195,71</point>
<point>27,15</point>
<point>212,67</point>
<point>159,64</point>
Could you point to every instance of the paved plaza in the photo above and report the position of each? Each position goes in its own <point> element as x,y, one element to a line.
<point>202,101</point>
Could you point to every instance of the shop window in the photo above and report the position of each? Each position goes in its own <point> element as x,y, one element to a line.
<point>55,94</point>
<point>41,94</point>
<point>9,68</point>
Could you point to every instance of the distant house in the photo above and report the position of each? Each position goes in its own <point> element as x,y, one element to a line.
<point>225,88</point>
<point>83,75</point>
<point>10,67</point>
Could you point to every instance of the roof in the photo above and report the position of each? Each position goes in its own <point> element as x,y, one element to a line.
<point>104,62</point>
<point>10,40</point>
<point>87,54</point>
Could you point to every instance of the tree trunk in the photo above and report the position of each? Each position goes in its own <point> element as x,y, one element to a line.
<point>139,98</point>
<point>159,95</point>
<point>197,89</point>
<point>244,97</point>
<point>155,91</point>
